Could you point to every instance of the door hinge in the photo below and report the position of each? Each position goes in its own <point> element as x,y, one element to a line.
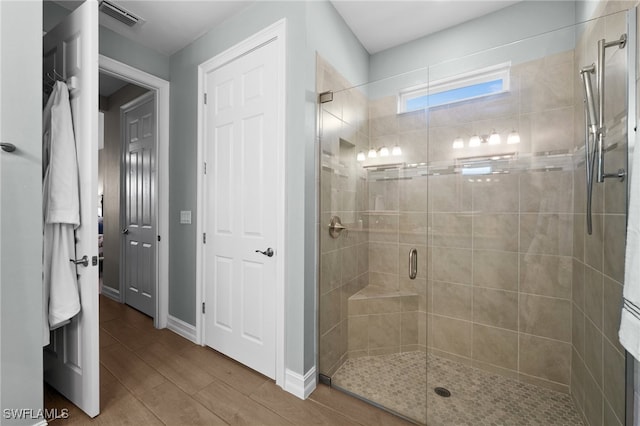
<point>205,167</point>
<point>204,238</point>
<point>159,238</point>
<point>203,307</point>
<point>205,98</point>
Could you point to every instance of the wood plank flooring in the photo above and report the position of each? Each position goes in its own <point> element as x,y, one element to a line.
<point>155,377</point>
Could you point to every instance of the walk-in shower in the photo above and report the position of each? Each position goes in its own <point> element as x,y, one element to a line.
<point>457,282</point>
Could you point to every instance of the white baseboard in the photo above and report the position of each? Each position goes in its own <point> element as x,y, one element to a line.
<point>298,385</point>
<point>111,293</point>
<point>182,328</point>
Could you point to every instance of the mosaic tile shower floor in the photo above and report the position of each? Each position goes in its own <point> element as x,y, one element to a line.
<point>397,382</point>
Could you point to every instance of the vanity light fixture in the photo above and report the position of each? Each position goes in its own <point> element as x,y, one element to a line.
<point>513,138</point>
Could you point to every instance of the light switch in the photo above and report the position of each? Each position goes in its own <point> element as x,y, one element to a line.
<point>185,217</point>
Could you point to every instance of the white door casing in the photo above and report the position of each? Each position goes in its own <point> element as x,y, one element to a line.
<point>71,361</point>
<point>138,177</point>
<point>241,202</point>
<point>162,89</point>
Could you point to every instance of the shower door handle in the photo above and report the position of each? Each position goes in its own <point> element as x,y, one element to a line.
<point>413,263</point>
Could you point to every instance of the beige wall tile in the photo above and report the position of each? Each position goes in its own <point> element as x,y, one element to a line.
<point>593,294</point>
<point>495,269</point>
<point>614,379</point>
<point>615,230</point>
<point>409,328</point>
<point>384,330</point>
<point>495,232</point>
<point>383,257</point>
<point>612,296</point>
<point>385,305</point>
<point>547,192</point>
<point>578,371</point>
<point>413,228</point>
<point>452,265</point>
<point>577,283</point>
<point>593,351</point>
<point>500,195</point>
<point>451,335</point>
<point>577,330</point>
<point>593,244</point>
<point>615,192</point>
<point>452,300</point>
<point>451,230</point>
<point>383,228</point>
<point>383,195</point>
<point>496,308</point>
<point>546,234</point>
<point>549,359</point>
<point>449,193</point>
<point>546,275</point>
<point>593,408</point>
<point>579,231</point>
<point>358,333</point>
<point>495,346</point>
<point>330,310</point>
<point>412,194</point>
<point>545,316</point>
<point>552,130</point>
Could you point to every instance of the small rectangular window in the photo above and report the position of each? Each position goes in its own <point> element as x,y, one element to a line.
<point>485,82</point>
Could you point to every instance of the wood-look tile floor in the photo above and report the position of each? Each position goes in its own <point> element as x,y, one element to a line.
<point>155,377</point>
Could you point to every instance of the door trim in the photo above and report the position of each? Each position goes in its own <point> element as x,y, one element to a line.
<point>275,33</point>
<point>162,89</point>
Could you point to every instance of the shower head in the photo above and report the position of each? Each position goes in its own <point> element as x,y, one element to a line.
<point>585,74</point>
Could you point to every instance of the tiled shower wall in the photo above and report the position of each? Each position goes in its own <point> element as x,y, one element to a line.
<point>598,364</point>
<point>344,262</point>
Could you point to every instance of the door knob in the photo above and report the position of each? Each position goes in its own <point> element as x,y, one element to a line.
<point>268,252</point>
<point>125,231</point>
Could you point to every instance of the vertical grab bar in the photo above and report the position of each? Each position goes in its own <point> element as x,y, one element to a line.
<point>602,46</point>
<point>413,263</point>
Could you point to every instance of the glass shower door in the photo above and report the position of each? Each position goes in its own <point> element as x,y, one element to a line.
<point>373,222</point>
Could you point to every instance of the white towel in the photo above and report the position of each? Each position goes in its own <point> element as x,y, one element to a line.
<point>61,212</point>
<point>630,320</point>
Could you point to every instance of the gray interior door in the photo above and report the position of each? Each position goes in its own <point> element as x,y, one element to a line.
<point>138,263</point>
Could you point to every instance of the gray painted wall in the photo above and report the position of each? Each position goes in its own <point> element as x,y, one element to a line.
<point>109,165</point>
<point>511,24</point>
<point>21,209</point>
<point>310,26</point>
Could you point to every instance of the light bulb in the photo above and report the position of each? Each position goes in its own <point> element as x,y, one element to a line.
<point>458,143</point>
<point>474,141</point>
<point>494,139</point>
<point>396,151</point>
<point>384,151</point>
<point>360,157</point>
<point>372,153</point>
<point>513,138</point>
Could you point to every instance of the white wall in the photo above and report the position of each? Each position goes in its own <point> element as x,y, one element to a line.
<point>21,209</point>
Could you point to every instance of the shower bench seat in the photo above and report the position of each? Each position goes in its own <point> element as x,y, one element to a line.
<point>381,320</point>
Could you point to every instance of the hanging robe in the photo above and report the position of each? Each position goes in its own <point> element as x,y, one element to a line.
<point>61,212</point>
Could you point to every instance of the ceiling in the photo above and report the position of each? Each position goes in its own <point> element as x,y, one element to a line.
<point>379,24</point>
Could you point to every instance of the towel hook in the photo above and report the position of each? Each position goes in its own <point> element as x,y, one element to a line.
<point>7,147</point>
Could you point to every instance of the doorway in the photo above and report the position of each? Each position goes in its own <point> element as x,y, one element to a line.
<point>147,83</point>
<point>114,94</point>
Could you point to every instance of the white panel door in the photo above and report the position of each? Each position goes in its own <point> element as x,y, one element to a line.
<point>240,223</point>
<point>139,233</point>
<point>71,361</point>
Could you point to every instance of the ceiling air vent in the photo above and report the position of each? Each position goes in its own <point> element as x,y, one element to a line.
<point>118,13</point>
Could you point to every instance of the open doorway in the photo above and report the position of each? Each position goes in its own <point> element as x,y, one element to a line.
<point>125,193</point>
